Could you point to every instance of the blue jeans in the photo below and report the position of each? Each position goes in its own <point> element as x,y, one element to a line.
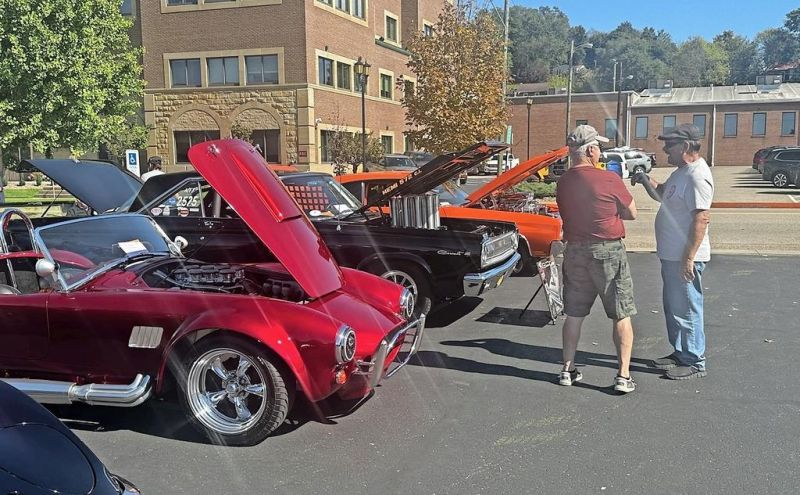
<point>683,311</point>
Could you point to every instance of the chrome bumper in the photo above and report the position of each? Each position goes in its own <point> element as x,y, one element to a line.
<point>476,284</point>
<point>397,337</point>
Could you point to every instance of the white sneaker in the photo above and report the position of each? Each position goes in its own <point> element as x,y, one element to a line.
<point>567,378</point>
<point>624,385</point>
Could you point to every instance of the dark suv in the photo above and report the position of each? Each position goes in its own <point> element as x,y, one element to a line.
<point>781,166</point>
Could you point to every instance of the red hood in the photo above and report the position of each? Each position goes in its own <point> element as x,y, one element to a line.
<point>238,173</point>
<point>517,174</point>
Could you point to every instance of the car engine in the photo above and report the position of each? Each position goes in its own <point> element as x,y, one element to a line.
<point>519,202</point>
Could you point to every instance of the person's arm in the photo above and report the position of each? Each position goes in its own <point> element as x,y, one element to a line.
<point>628,212</point>
<point>697,230</point>
<point>653,188</point>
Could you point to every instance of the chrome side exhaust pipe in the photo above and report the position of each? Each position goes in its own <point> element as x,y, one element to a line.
<point>97,394</point>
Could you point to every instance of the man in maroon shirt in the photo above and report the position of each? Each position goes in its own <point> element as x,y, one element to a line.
<point>593,203</point>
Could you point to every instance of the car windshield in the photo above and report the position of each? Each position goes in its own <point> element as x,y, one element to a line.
<point>451,193</point>
<point>320,196</point>
<point>398,162</point>
<point>88,245</point>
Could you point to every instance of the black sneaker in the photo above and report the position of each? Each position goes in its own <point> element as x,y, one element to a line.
<point>685,373</point>
<point>567,378</point>
<point>666,362</point>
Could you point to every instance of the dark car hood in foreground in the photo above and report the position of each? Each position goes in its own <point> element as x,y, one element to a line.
<point>439,170</point>
<point>241,176</point>
<point>81,179</point>
<point>517,174</point>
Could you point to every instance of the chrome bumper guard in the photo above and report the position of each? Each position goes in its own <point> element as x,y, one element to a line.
<point>397,337</point>
<point>476,284</point>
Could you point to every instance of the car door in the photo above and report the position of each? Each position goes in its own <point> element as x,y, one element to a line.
<point>23,329</point>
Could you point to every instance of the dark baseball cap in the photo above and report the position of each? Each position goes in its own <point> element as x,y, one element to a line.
<point>683,132</point>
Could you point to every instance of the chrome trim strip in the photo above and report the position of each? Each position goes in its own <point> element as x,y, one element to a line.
<point>145,337</point>
<point>100,394</point>
<point>474,283</point>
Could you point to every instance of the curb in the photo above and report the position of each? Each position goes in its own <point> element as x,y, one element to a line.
<point>736,204</point>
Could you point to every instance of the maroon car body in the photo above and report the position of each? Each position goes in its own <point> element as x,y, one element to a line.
<point>104,310</point>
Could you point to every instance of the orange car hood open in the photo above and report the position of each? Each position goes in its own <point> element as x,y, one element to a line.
<point>517,174</point>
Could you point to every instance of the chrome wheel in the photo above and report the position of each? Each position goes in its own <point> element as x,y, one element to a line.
<point>226,392</point>
<point>403,279</point>
<point>780,179</point>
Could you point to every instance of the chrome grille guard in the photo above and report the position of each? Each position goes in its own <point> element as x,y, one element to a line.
<point>398,337</point>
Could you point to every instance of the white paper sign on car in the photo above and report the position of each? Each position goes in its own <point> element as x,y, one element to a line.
<point>134,246</point>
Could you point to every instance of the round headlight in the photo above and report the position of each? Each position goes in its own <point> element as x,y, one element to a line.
<point>345,344</point>
<point>407,301</point>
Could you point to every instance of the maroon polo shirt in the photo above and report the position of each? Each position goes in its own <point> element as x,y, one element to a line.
<point>589,200</point>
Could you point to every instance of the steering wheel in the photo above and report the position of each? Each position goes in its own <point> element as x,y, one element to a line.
<point>5,231</point>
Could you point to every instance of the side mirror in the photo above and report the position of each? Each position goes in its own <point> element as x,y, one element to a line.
<point>181,242</point>
<point>45,268</point>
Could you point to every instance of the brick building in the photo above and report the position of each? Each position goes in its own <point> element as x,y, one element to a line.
<point>735,120</point>
<point>284,68</point>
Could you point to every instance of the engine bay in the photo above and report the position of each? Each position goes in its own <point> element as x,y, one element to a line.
<point>223,278</point>
<point>518,202</point>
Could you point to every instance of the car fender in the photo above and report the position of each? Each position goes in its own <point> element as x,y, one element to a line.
<point>282,327</point>
<point>388,257</point>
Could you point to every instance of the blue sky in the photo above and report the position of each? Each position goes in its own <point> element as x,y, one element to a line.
<point>682,19</point>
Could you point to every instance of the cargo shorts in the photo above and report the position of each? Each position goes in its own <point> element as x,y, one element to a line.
<point>598,268</point>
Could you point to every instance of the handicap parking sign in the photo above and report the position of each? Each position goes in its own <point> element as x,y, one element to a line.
<point>132,161</point>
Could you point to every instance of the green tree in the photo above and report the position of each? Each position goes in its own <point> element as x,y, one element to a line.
<point>539,42</point>
<point>742,57</point>
<point>69,76</point>
<point>792,22</point>
<point>699,63</point>
<point>458,98</point>
<point>777,46</point>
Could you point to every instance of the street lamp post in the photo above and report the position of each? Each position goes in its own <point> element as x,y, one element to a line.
<point>529,102</point>
<point>619,103</point>
<point>569,82</point>
<point>362,72</point>
<point>614,76</point>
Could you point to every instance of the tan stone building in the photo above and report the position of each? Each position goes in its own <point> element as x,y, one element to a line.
<point>736,121</point>
<point>283,68</point>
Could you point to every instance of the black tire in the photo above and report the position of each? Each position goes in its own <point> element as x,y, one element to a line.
<point>525,267</point>
<point>395,271</point>
<point>273,406</point>
<point>780,179</point>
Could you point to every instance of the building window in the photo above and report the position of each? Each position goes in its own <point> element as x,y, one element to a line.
<point>581,122</point>
<point>788,120</point>
<point>223,71</point>
<point>699,121</point>
<point>185,72</point>
<point>408,87</point>
<point>343,5</point>
<point>391,29</point>
<point>641,128</point>
<point>326,71</point>
<point>731,123</point>
<point>181,2</point>
<point>427,29</point>
<point>611,128</point>
<point>268,142</point>
<point>262,69</point>
<point>186,139</point>
<point>668,123</point>
<point>386,86</point>
<point>325,139</point>
<point>388,144</point>
<point>343,75</point>
<point>358,8</point>
<point>326,2</point>
<point>759,124</point>
<point>126,8</point>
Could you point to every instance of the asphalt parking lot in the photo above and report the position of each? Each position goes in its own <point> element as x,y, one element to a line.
<point>478,411</point>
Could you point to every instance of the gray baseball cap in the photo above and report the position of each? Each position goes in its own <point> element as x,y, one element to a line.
<point>584,134</point>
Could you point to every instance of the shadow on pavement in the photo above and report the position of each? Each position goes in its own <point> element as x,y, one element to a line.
<point>448,314</point>
<point>512,316</point>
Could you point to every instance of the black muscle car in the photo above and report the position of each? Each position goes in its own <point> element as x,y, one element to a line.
<point>437,259</point>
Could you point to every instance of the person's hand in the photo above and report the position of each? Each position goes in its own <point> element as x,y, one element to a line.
<point>639,178</point>
<point>688,270</point>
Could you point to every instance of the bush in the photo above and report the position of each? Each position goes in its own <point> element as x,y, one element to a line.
<point>539,189</point>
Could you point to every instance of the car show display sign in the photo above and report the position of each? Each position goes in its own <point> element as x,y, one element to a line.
<point>550,273</point>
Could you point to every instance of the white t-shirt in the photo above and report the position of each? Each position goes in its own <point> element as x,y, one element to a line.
<point>151,173</point>
<point>689,188</point>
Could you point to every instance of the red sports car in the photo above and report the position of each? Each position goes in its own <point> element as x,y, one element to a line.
<point>104,310</point>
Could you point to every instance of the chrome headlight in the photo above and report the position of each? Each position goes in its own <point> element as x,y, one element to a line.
<point>495,249</point>
<point>407,301</point>
<point>345,344</point>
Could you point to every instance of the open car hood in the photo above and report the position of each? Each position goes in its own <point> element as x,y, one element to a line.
<point>439,170</point>
<point>101,185</point>
<point>241,176</point>
<point>517,174</point>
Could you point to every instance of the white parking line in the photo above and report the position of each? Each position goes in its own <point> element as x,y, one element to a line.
<point>793,198</point>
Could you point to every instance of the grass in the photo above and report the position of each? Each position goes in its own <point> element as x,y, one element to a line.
<point>22,194</point>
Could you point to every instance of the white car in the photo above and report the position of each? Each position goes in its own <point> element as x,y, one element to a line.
<point>633,159</point>
<point>490,165</point>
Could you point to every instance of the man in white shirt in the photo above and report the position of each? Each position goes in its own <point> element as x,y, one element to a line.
<point>154,168</point>
<point>683,248</point>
